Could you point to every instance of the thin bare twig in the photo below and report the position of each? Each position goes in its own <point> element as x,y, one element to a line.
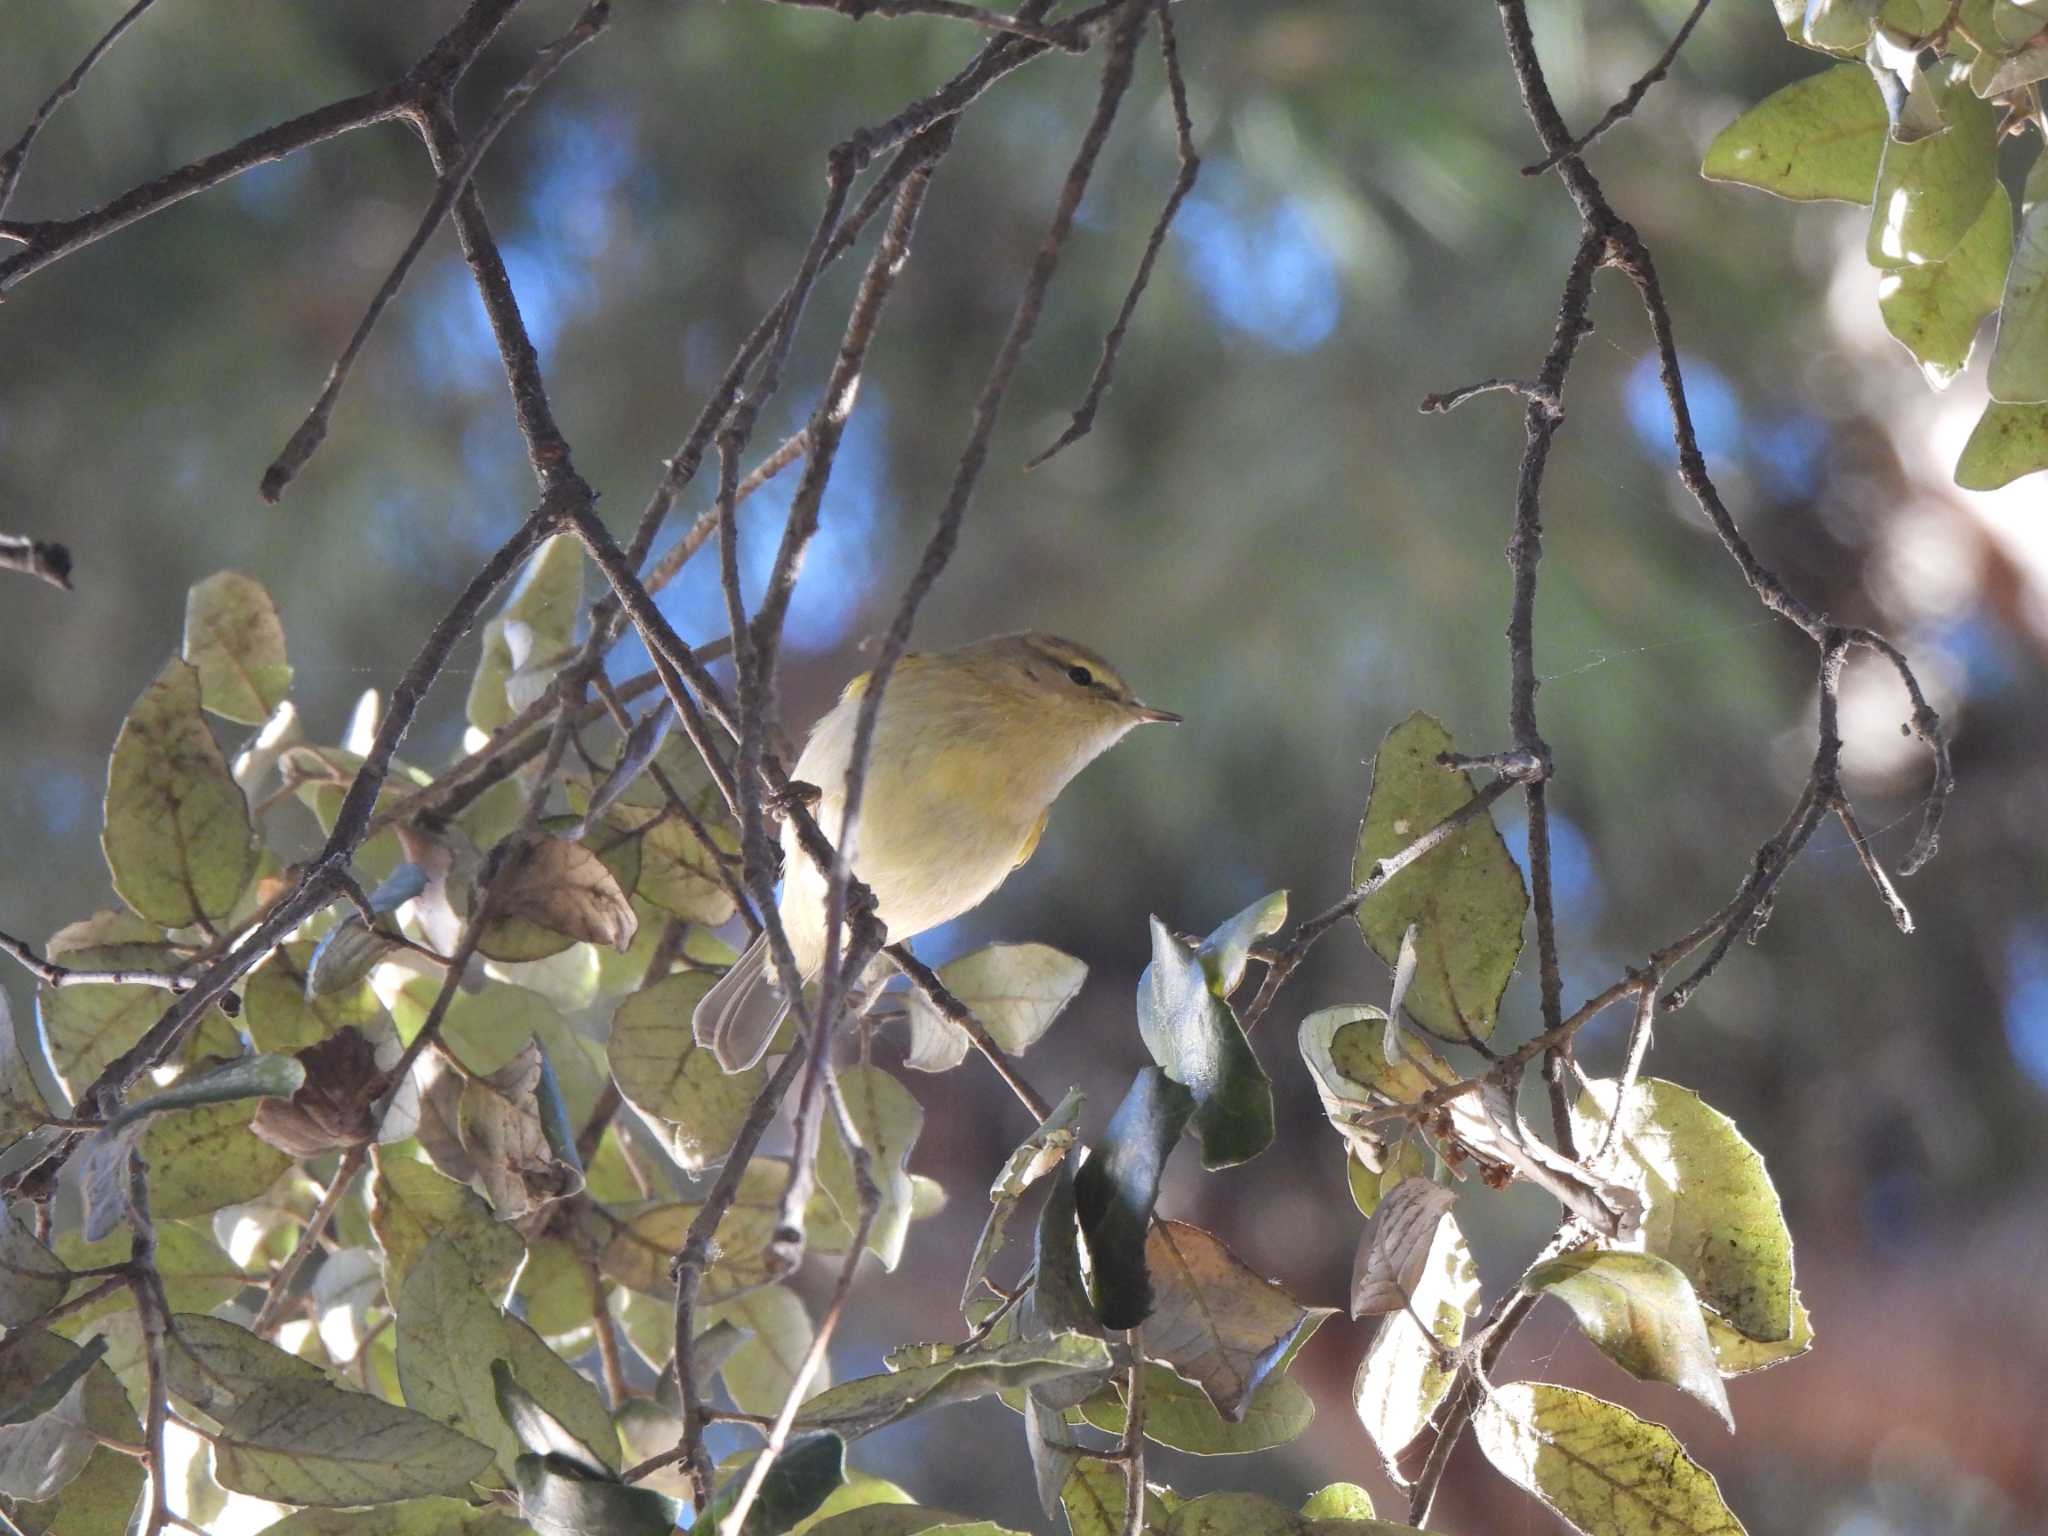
<point>1190,166</point>
<point>454,181</point>
<point>1130,1444</point>
<point>926,980</point>
<point>51,974</point>
<point>272,1312</point>
<point>1629,102</point>
<point>11,162</point>
<point>1068,39</point>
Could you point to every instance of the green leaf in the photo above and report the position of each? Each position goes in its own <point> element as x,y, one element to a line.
<point>1338,1501</point>
<point>1252,1514</point>
<point>1195,1037</point>
<point>1345,1049</point>
<point>1641,1312</point>
<point>526,642</point>
<point>552,893</point>
<point>177,837</point>
<point>411,1517</point>
<point>235,640</point>
<point>1408,1160</point>
<point>246,1077</point>
<point>555,1501</point>
<point>760,1370</point>
<point>539,1432</point>
<point>60,1480</point>
<point>1709,1206</point>
<point>278,1014</point>
<point>865,1404</point>
<point>661,1070</point>
<point>515,1130</point>
<point>449,1333</point>
<point>1225,951</point>
<point>678,871</point>
<point>887,1120</point>
<point>1217,1322</point>
<point>2007,442</point>
<point>797,1485</point>
<point>1094,1501</point>
<point>1465,897</point>
<point>1399,1382</point>
<point>860,1491</point>
<point>213,1364</point>
<point>49,1392</point>
<point>1930,192</point>
<point>1817,139</point>
<point>196,1274</point>
<point>1117,1187</point>
<point>1015,990</point>
<point>311,1442</point>
<point>23,1107</point>
<point>1037,1155</point>
<point>1934,310</point>
<point>204,1158</point>
<point>885,1520</point>
<point>1736,1355</point>
<point>2019,362</point>
<point>32,1279</point>
<point>1603,1469</point>
<point>412,1203</point>
<point>1179,1415</point>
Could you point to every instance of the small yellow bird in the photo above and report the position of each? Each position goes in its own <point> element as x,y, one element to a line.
<point>971,748</point>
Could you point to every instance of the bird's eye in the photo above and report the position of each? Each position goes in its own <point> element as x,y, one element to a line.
<point>1081,676</point>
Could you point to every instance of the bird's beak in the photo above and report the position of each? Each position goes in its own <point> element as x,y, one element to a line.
<point>1150,716</point>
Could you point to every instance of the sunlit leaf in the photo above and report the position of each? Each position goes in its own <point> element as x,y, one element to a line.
<point>202,1159</point>
<point>279,1014</point>
<point>1338,1501</point>
<point>1820,138</point>
<point>450,1331</point>
<point>545,605</point>
<point>1404,1375</point>
<point>1935,310</point>
<point>1603,1469</point>
<point>1215,1320</point>
<point>1641,1312</point>
<point>1465,897</point>
<point>662,1071</point>
<point>1115,1190</point>
<point>762,1366</point>
<point>887,1120</point>
<point>1015,990</point>
<point>2019,363</point>
<point>23,1106</point>
<point>865,1404</point>
<point>1037,1155</point>
<point>1196,1039</point>
<point>1931,191</point>
<point>1709,1205</point>
<point>311,1442</point>
<point>235,640</point>
<point>411,1204</point>
<point>1395,1249</point>
<point>1094,1500</point>
<point>213,1364</point>
<point>1179,1415</point>
<point>177,835</point>
<point>1737,1355</point>
<point>2007,442</point>
<point>1224,952</point>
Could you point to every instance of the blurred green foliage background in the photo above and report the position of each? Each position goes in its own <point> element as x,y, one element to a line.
<point>1261,530</point>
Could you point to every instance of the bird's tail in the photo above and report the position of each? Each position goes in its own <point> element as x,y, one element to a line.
<point>737,1018</point>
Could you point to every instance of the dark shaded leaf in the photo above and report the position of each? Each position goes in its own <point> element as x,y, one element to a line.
<point>1193,1035</point>
<point>1116,1189</point>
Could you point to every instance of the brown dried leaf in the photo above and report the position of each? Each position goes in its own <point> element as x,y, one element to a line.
<point>564,887</point>
<point>1395,1246</point>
